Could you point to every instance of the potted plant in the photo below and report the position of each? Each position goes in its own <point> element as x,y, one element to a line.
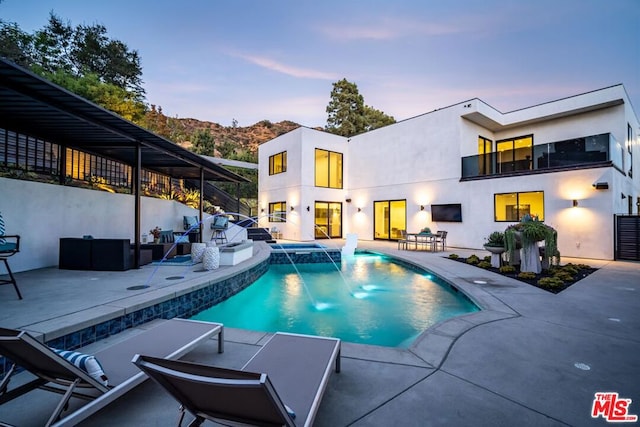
<point>156,234</point>
<point>495,242</point>
<point>525,235</point>
<point>496,245</point>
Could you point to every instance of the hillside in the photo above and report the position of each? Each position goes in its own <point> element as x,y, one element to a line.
<point>236,138</point>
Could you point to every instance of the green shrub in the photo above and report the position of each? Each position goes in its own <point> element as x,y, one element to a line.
<point>507,269</point>
<point>454,256</point>
<point>487,259</point>
<point>570,269</point>
<point>550,282</point>
<point>473,260</point>
<point>553,269</point>
<point>484,264</point>
<point>526,275</point>
<point>565,276</point>
<point>583,266</point>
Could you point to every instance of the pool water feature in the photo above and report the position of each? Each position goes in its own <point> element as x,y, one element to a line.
<point>372,300</point>
<point>297,246</point>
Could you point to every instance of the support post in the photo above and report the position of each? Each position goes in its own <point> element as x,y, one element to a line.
<point>201,205</point>
<point>137,178</point>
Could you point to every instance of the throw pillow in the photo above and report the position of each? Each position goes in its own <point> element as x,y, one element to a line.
<point>2,241</point>
<point>87,363</point>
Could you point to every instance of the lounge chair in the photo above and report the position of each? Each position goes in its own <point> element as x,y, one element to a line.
<point>9,246</point>
<point>171,339</point>
<point>282,384</point>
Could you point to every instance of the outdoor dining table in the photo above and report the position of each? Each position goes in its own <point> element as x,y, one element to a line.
<point>425,239</point>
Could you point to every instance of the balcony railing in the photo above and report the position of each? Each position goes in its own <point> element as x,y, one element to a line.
<point>555,155</point>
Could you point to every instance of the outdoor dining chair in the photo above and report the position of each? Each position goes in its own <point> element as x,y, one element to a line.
<point>440,240</point>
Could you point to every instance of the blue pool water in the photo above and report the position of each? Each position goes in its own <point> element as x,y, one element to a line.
<point>372,300</point>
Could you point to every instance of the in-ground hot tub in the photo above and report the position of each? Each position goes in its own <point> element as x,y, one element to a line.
<point>303,253</point>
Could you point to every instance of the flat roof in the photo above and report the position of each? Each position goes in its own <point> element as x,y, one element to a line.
<point>34,106</point>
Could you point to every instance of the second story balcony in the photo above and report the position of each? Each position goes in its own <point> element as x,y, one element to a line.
<point>588,151</point>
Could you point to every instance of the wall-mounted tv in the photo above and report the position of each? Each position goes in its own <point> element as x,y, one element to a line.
<point>446,213</point>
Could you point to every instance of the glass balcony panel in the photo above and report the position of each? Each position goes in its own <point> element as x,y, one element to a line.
<point>579,151</point>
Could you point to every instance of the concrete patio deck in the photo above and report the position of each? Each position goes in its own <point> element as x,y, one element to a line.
<point>521,361</point>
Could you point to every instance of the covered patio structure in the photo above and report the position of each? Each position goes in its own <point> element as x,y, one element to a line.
<point>39,111</point>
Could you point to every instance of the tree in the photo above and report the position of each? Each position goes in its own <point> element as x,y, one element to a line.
<point>83,59</point>
<point>345,109</point>
<point>15,44</point>
<point>375,119</point>
<point>202,142</point>
<point>348,115</point>
<point>155,120</point>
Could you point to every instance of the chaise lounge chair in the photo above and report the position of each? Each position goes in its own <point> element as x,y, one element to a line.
<point>281,385</point>
<point>171,339</point>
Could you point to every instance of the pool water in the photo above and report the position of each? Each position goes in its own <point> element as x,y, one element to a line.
<point>371,300</point>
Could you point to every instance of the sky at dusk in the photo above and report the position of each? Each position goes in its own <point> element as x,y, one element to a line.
<point>276,60</point>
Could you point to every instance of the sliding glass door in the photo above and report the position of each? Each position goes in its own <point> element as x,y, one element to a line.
<point>389,219</point>
<point>328,220</point>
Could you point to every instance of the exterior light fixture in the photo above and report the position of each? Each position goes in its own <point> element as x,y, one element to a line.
<point>292,208</point>
<point>623,196</point>
<point>359,209</point>
<point>308,208</point>
<point>421,207</point>
<point>348,200</point>
<point>601,185</point>
<point>575,203</point>
<point>262,210</point>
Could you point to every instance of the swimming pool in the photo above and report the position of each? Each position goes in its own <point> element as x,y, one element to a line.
<point>371,300</point>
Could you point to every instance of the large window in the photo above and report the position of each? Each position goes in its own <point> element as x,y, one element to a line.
<point>515,154</point>
<point>513,206</point>
<point>24,152</point>
<point>278,212</point>
<point>485,148</point>
<point>278,163</point>
<point>328,169</point>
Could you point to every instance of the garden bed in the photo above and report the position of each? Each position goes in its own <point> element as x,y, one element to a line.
<point>556,279</point>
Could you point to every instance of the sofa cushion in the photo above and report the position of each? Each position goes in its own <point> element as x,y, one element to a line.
<point>166,236</point>
<point>2,241</point>
<point>7,247</point>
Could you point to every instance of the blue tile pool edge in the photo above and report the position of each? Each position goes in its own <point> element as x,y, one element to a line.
<point>184,306</point>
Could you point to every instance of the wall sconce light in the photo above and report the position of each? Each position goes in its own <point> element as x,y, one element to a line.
<point>348,200</point>
<point>623,196</point>
<point>601,185</point>
<point>308,208</point>
<point>359,210</point>
<point>421,207</point>
<point>292,208</point>
<point>575,203</point>
<point>262,210</point>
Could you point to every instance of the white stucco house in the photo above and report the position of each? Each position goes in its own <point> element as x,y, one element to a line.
<point>468,169</point>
